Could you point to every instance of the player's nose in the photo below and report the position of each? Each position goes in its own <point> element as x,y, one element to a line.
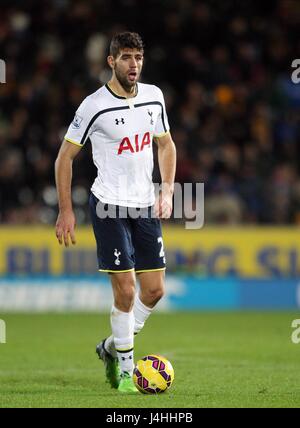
<point>133,64</point>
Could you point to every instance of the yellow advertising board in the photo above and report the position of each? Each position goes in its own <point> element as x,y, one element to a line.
<point>247,251</point>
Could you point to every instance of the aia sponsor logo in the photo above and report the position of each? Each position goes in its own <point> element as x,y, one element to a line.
<point>136,145</point>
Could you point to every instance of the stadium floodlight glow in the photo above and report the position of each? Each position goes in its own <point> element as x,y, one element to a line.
<point>2,71</point>
<point>2,332</point>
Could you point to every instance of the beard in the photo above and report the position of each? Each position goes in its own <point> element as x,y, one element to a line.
<point>123,80</point>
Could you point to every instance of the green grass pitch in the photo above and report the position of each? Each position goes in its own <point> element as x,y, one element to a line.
<point>239,359</point>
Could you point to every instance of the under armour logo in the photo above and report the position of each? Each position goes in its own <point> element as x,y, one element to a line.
<point>117,254</point>
<point>120,121</point>
<point>128,358</point>
<point>150,114</point>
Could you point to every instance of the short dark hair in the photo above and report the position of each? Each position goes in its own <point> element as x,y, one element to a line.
<point>125,40</point>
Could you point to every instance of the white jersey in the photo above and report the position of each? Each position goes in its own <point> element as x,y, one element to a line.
<point>121,132</point>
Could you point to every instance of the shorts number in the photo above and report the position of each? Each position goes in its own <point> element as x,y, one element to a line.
<point>162,251</point>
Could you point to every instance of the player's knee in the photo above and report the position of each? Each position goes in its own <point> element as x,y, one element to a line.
<point>155,294</point>
<point>124,296</point>
<point>128,293</point>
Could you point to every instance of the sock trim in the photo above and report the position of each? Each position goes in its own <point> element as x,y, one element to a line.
<point>123,351</point>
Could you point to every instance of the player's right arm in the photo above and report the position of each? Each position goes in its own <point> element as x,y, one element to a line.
<point>65,224</point>
<point>77,134</point>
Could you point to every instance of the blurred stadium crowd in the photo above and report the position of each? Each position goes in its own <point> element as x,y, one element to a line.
<point>224,67</point>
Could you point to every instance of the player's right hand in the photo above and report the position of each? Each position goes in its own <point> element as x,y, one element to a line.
<point>65,227</point>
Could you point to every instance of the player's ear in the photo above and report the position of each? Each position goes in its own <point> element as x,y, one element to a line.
<point>111,61</point>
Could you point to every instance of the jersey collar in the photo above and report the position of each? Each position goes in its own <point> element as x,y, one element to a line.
<point>118,96</point>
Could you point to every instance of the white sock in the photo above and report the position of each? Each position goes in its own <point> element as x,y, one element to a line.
<point>122,325</point>
<point>141,314</point>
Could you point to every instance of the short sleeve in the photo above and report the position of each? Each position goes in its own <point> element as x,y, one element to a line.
<point>81,127</point>
<point>162,125</point>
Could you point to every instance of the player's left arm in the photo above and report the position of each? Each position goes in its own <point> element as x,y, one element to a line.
<point>167,167</point>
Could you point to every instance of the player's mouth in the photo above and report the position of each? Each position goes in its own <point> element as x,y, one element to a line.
<point>132,75</point>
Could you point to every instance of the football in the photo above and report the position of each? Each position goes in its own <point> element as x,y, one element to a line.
<point>153,374</point>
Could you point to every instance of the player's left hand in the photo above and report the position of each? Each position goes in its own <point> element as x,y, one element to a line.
<point>164,205</point>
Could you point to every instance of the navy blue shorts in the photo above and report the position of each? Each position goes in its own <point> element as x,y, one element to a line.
<point>125,244</point>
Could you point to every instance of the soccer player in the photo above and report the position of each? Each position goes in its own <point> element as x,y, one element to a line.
<point>121,120</point>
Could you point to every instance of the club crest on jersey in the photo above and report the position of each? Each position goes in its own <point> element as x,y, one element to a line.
<point>134,146</point>
<point>76,121</point>
<point>150,114</point>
